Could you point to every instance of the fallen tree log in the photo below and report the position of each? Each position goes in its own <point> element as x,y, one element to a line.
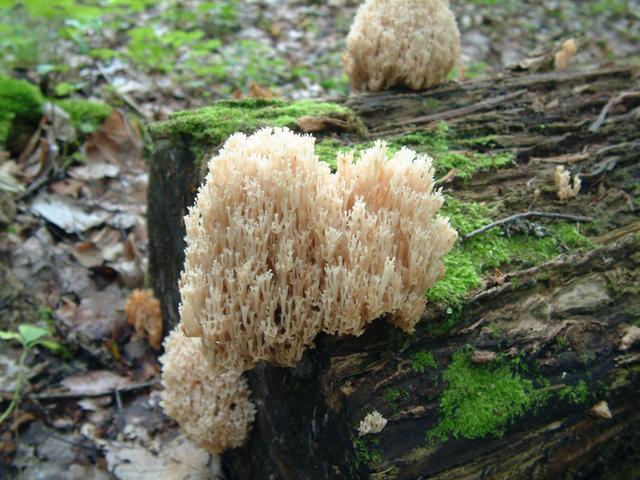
<point>524,365</point>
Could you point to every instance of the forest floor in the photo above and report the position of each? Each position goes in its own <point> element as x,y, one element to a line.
<point>73,238</point>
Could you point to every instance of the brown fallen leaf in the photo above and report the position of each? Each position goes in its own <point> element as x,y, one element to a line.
<point>87,254</point>
<point>311,124</point>
<point>23,418</point>
<point>256,91</point>
<point>67,187</point>
<point>117,141</point>
<point>144,314</point>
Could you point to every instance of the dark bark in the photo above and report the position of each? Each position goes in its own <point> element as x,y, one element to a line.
<point>563,319</point>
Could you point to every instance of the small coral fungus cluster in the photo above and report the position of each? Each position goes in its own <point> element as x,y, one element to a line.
<point>405,43</point>
<point>279,249</point>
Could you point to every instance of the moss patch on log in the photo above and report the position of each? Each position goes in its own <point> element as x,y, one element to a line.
<point>422,360</point>
<point>468,261</point>
<point>437,143</point>
<point>367,451</point>
<point>212,125</point>
<point>481,399</point>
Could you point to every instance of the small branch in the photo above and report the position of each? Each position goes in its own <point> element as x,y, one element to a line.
<point>458,112</point>
<point>75,444</point>
<point>130,101</point>
<point>120,416</point>
<point>595,126</point>
<point>66,395</point>
<point>563,216</point>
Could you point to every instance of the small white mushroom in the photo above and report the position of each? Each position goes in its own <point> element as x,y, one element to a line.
<point>374,422</point>
<point>601,409</point>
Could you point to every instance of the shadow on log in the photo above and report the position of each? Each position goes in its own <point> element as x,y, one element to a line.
<point>544,329</point>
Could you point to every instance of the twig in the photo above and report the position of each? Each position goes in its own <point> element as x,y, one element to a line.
<point>595,126</point>
<point>458,112</point>
<point>119,415</point>
<point>130,101</point>
<point>75,444</point>
<point>65,395</point>
<point>563,216</point>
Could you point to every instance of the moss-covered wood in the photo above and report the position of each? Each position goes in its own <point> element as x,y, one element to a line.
<point>521,338</point>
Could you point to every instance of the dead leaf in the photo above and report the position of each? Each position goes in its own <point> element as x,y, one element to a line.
<point>38,163</point>
<point>60,122</point>
<point>67,187</point>
<point>179,460</point>
<point>68,214</point>
<point>94,171</point>
<point>24,417</point>
<point>98,318</point>
<point>318,124</point>
<point>256,91</point>
<point>87,254</point>
<point>98,382</point>
<point>116,141</point>
<point>95,404</point>
<point>8,181</point>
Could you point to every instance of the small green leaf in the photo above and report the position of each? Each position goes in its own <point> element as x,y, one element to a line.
<point>4,335</point>
<point>31,333</point>
<point>63,89</point>
<point>51,345</point>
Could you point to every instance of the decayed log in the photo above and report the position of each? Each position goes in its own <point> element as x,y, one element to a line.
<point>555,327</point>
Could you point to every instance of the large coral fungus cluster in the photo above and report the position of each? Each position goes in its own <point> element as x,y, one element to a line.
<point>280,249</point>
<point>405,43</point>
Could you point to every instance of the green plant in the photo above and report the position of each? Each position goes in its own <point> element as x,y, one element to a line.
<point>367,450</point>
<point>422,360</point>
<point>392,395</point>
<point>576,394</point>
<point>29,336</point>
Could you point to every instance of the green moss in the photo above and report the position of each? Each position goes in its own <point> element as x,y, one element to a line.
<point>367,451</point>
<point>392,395</point>
<point>482,399</point>
<point>20,99</point>
<point>576,394</point>
<point>467,262</point>
<point>86,115</point>
<point>327,151</point>
<point>422,360</point>
<point>437,143</point>
<point>5,127</point>
<point>214,124</point>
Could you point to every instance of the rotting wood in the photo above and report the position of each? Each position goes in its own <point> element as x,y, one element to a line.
<point>562,319</point>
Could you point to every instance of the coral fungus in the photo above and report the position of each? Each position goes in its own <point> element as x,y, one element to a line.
<point>407,43</point>
<point>280,249</point>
